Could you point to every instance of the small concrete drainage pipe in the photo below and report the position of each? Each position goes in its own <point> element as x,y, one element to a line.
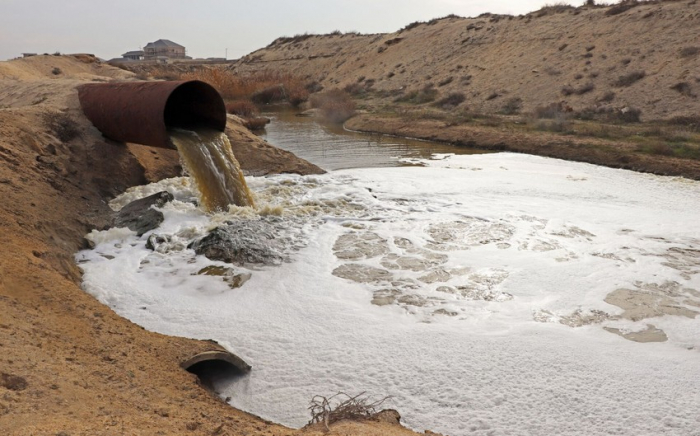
<point>215,365</point>
<point>143,112</point>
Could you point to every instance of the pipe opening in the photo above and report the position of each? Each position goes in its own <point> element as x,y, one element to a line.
<point>194,105</point>
<point>212,367</point>
<point>143,112</point>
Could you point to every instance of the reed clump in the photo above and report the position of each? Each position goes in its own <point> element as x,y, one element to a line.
<point>335,106</point>
<point>264,86</point>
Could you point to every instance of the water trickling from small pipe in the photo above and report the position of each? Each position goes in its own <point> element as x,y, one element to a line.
<point>208,158</point>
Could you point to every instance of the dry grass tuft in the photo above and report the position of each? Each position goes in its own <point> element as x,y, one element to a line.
<point>242,108</point>
<point>358,407</point>
<point>683,88</point>
<point>687,52</point>
<point>63,126</point>
<point>512,106</point>
<point>451,101</point>
<point>256,123</point>
<point>621,7</point>
<point>583,89</point>
<point>426,94</point>
<point>629,79</point>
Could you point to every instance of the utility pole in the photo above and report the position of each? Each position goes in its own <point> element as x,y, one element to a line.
<point>226,55</point>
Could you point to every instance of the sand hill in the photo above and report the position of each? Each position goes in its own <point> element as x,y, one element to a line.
<point>645,57</point>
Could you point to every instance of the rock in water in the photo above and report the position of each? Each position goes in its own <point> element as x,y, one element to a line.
<point>140,216</point>
<point>241,243</point>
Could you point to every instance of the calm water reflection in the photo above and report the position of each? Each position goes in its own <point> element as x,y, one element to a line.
<point>332,148</point>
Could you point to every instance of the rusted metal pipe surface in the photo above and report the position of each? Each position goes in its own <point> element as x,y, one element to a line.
<point>142,112</point>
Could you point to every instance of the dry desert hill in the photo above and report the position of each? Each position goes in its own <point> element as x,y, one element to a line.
<point>613,85</point>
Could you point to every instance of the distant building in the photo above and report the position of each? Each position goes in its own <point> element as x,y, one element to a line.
<point>28,55</point>
<point>135,55</point>
<point>163,48</point>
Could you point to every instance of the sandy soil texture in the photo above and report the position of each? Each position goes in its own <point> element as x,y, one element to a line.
<point>68,364</point>
<point>576,56</point>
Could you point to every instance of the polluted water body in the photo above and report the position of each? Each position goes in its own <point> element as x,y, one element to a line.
<point>494,294</point>
<point>208,158</point>
<point>332,147</point>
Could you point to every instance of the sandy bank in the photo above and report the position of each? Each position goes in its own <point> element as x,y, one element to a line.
<point>70,365</point>
<point>581,149</point>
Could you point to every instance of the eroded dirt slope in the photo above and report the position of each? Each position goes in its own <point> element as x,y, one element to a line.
<point>68,364</point>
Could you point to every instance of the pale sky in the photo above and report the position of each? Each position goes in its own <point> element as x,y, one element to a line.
<point>207,28</point>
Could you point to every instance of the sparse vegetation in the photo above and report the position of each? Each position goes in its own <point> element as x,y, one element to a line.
<point>691,122</point>
<point>607,97</point>
<point>512,106</point>
<point>683,151</point>
<point>358,407</point>
<point>335,106</point>
<point>256,123</point>
<point>683,88</point>
<point>687,52</point>
<point>629,79</point>
<point>263,87</point>
<point>451,101</point>
<point>445,81</point>
<point>424,95</point>
<point>621,7</point>
<point>583,89</point>
<point>63,126</point>
<point>242,108</point>
<point>551,111</point>
<point>556,8</point>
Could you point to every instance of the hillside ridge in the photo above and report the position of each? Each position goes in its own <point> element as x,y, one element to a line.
<point>642,56</point>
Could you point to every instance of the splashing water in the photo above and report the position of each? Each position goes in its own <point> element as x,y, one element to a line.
<point>208,158</point>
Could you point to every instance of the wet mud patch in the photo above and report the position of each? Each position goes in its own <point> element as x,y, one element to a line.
<point>650,300</point>
<point>645,301</point>
<point>649,334</point>
<point>358,246</point>
<point>362,273</point>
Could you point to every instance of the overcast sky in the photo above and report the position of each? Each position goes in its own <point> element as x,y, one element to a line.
<point>207,28</point>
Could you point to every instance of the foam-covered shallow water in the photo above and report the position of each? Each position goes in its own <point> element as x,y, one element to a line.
<point>475,291</point>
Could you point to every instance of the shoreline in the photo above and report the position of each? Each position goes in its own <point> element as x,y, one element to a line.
<point>613,154</point>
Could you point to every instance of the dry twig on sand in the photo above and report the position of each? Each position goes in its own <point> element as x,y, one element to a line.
<point>357,407</point>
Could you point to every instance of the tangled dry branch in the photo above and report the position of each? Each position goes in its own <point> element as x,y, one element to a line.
<point>357,407</point>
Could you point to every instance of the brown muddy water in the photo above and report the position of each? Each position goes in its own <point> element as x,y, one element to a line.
<point>332,148</point>
<point>208,158</point>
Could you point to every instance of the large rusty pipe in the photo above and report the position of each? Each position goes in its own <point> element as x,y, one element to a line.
<point>142,112</point>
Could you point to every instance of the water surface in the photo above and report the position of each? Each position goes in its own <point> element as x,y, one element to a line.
<point>332,148</point>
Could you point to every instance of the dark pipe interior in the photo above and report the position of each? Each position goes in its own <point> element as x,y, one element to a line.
<point>194,105</point>
<point>210,372</point>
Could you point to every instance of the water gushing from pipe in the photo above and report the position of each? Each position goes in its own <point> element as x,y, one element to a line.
<point>208,158</point>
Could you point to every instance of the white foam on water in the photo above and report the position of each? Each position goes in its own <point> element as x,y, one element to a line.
<point>480,263</point>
